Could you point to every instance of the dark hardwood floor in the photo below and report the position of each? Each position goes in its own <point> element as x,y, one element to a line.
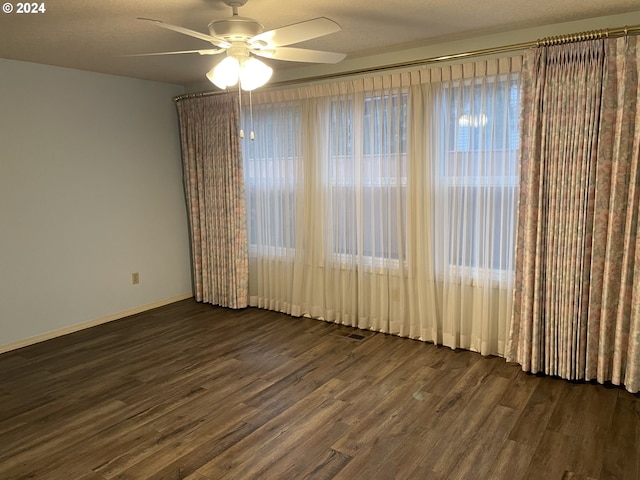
<point>198,392</point>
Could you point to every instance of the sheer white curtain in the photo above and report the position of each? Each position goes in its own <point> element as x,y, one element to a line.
<point>388,203</point>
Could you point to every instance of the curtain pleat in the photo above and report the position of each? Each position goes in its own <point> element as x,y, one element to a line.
<point>214,189</point>
<point>575,309</point>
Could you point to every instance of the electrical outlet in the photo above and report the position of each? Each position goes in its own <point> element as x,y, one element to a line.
<point>135,278</point>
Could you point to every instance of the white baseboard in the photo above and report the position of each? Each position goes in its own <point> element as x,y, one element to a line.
<point>92,323</point>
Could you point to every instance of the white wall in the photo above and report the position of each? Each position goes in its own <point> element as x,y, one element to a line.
<point>90,192</point>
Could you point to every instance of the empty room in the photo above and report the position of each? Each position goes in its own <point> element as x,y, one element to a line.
<point>251,239</point>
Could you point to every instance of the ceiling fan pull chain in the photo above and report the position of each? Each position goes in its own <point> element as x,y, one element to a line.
<point>240,108</point>
<point>252,136</point>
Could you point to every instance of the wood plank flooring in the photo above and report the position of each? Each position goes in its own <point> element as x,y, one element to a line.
<point>192,391</point>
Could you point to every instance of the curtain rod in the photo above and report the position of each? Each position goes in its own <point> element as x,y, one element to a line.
<point>547,41</point>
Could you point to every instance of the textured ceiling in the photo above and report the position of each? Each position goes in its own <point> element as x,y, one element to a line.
<point>95,35</point>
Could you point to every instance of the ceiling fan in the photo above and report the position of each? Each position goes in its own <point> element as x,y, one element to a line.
<point>242,39</point>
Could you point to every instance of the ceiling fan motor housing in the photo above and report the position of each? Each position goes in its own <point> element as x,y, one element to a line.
<point>235,29</point>
<point>235,3</point>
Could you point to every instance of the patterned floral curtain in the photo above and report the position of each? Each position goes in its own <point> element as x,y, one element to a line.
<point>576,311</point>
<point>214,188</point>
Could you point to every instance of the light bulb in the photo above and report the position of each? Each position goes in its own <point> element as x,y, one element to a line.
<point>254,74</point>
<point>225,73</point>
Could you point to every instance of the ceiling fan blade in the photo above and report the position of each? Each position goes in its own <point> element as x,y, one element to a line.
<point>297,32</point>
<point>209,51</point>
<point>301,55</point>
<point>218,42</point>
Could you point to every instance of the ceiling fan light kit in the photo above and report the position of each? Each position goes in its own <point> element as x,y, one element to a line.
<point>243,39</point>
<point>251,72</point>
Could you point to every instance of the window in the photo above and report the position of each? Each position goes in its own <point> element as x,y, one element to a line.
<point>359,175</point>
<point>479,171</point>
<point>271,161</point>
<point>367,176</point>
